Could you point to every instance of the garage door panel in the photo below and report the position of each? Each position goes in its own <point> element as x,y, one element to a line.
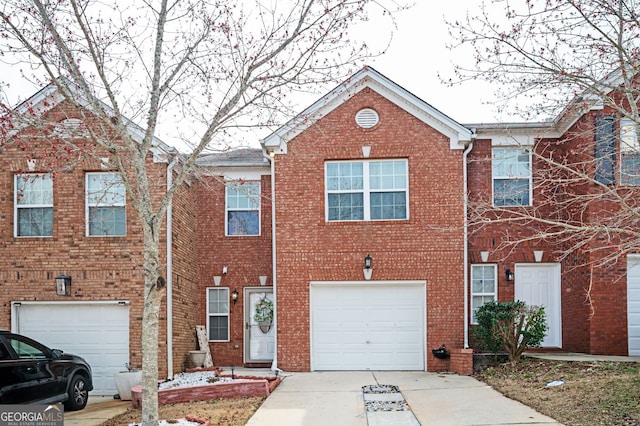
<point>97,332</point>
<point>360,327</point>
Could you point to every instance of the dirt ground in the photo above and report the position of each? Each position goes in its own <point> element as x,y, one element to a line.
<point>593,393</point>
<point>223,412</point>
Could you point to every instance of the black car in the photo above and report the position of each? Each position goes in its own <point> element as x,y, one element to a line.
<point>31,373</point>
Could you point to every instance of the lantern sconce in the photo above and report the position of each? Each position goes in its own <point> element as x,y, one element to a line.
<point>509,274</point>
<point>368,270</point>
<point>63,285</point>
<point>234,296</point>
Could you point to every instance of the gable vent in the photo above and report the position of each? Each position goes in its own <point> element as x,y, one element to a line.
<point>367,118</point>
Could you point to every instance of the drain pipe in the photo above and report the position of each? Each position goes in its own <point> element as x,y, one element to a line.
<point>170,273</point>
<point>465,255</point>
<point>274,280</point>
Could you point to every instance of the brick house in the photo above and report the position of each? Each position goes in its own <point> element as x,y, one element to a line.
<point>350,224</point>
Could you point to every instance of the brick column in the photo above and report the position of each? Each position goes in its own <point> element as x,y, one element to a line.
<point>461,361</point>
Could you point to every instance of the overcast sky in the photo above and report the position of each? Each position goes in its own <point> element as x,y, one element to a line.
<point>416,56</point>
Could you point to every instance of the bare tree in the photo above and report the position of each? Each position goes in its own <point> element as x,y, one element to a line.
<point>563,59</point>
<point>211,67</point>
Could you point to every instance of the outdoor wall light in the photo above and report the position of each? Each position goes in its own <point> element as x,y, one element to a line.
<point>63,285</point>
<point>234,296</point>
<point>368,270</point>
<point>224,270</point>
<point>509,274</point>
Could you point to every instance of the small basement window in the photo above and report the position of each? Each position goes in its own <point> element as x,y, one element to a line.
<point>367,118</point>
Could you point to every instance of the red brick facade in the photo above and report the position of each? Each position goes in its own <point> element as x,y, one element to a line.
<point>427,247</point>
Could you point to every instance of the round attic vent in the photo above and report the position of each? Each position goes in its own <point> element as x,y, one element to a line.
<point>367,118</point>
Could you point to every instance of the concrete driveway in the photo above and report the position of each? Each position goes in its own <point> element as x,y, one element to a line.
<point>337,399</point>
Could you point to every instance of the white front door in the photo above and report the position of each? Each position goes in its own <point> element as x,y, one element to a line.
<point>539,285</point>
<point>633,304</point>
<point>259,340</point>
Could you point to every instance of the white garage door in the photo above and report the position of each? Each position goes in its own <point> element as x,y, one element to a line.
<point>368,326</point>
<point>633,304</point>
<point>99,332</point>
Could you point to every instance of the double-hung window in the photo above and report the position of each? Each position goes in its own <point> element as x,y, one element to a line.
<point>511,168</point>
<point>366,190</point>
<point>483,287</point>
<point>243,208</point>
<point>106,205</point>
<point>33,201</point>
<point>629,153</point>
<point>218,314</point>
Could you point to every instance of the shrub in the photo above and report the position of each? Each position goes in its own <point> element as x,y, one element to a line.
<point>510,326</point>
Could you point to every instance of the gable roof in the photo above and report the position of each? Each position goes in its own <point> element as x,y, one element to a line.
<point>458,134</point>
<point>49,97</point>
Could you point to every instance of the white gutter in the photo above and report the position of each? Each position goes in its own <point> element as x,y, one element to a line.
<point>170,273</point>
<point>465,255</point>
<point>272,161</point>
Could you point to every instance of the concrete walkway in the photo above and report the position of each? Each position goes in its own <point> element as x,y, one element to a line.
<point>336,399</point>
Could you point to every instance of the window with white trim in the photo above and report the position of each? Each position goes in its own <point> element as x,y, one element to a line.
<point>366,190</point>
<point>218,314</point>
<point>511,171</point>
<point>242,208</point>
<point>484,287</point>
<point>106,203</point>
<point>33,203</point>
<point>629,153</point>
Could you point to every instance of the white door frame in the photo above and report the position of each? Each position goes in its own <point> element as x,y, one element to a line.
<point>247,320</point>
<point>555,319</point>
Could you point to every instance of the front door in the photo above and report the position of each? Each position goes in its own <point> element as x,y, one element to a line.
<point>539,285</point>
<point>259,336</point>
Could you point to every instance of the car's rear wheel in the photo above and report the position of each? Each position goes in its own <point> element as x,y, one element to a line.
<point>78,394</point>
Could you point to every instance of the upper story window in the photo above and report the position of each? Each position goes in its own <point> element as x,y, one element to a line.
<point>366,190</point>
<point>483,287</point>
<point>106,205</point>
<point>629,153</point>
<point>243,208</point>
<point>33,201</point>
<point>511,168</point>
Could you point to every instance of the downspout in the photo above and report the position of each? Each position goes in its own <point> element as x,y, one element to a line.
<point>465,256</point>
<point>170,273</point>
<point>272,161</point>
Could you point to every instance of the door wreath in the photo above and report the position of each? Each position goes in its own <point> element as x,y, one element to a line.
<point>264,314</point>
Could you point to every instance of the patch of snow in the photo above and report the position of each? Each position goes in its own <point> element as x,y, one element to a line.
<point>193,379</point>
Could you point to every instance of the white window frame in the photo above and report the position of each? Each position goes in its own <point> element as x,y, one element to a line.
<point>89,205</point>
<point>495,176</point>
<point>366,190</point>
<point>483,294</point>
<point>629,145</point>
<point>257,208</point>
<point>226,294</point>
<point>18,206</point>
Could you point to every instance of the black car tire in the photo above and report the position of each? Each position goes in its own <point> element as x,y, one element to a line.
<point>78,394</point>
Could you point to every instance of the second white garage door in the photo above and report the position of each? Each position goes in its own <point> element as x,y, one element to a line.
<point>368,326</point>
